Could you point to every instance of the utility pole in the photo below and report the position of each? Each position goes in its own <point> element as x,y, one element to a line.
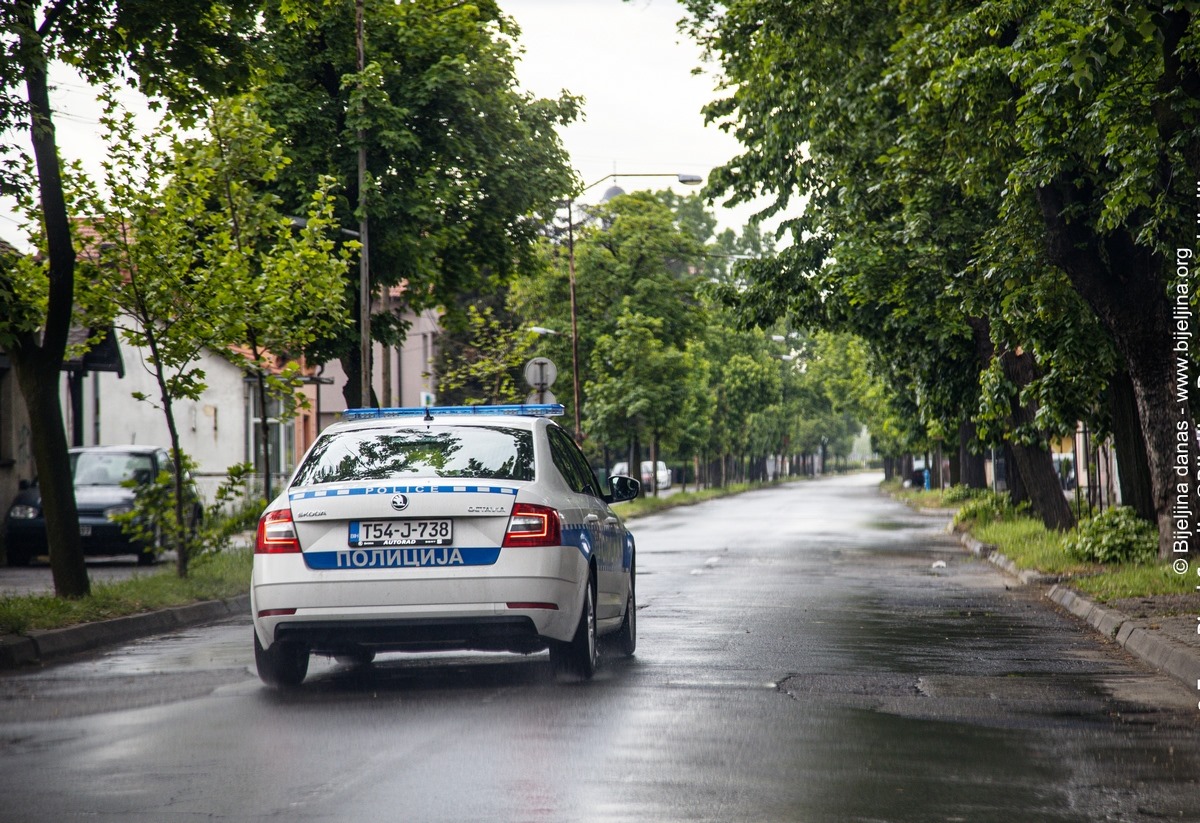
<point>364,270</point>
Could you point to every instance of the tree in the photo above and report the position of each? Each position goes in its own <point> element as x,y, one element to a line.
<point>191,253</point>
<point>915,233</point>
<point>641,384</point>
<point>458,158</point>
<point>1088,130</point>
<point>630,247</point>
<point>485,368</point>
<point>178,51</point>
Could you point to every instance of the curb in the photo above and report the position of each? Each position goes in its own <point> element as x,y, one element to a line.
<point>1176,659</point>
<point>41,645</point>
<point>988,552</point>
<point>1169,656</point>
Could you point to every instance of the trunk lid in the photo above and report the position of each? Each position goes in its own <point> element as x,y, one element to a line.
<point>363,525</point>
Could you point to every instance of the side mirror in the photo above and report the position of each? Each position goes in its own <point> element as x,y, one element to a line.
<point>623,488</point>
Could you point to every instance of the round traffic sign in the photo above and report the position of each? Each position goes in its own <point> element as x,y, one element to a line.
<point>540,372</point>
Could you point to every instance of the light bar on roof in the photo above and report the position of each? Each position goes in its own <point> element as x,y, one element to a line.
<point>534,410</point>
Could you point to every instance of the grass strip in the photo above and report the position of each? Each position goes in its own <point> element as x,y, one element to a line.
<point>1030,545</point>
<point>211,577</point>
<point>642,506</point>
<point>1133,581</point>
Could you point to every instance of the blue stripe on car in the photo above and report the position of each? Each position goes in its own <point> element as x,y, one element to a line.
<point>361,490</point>
<point>402,558</point>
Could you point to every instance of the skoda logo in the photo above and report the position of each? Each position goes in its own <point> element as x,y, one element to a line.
<point>400,502</point>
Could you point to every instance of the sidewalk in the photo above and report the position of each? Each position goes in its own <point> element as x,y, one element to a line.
<point>43,645</point>
<point>1145,627</point>
<point>39,646</point>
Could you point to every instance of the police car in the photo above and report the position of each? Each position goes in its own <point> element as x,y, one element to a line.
<point>454,527</point>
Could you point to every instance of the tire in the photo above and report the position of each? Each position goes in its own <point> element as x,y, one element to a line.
<point>282,666</point>
<point>577,658</point>
<point>16,556</point>
<point>624,640</point>
<point>148,555</point>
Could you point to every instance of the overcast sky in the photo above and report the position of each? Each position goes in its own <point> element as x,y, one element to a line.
<point>626,59</point>
<point>642,103</point>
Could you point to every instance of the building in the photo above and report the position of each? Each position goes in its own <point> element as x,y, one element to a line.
<point>220,429</point>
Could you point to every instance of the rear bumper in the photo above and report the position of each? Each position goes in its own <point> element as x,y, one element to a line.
<point>516,633</point>
<point>98,537</point>
<point>528,597</point>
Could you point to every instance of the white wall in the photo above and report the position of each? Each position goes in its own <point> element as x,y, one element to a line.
<point>411,372</point>
<point>211,430</point>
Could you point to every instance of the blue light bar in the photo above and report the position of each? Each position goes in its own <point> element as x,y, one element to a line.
<point>535,410</point>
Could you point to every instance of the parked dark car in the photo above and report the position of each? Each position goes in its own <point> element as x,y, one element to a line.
<point>99,472</point>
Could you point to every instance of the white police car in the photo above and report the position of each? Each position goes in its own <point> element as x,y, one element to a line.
<point>460,527</point>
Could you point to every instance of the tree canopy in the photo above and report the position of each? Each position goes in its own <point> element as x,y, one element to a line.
<point>177,51</point>
<point>459,159</point>
<point>990,191</point>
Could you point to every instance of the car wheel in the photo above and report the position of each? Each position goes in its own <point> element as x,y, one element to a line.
<point>283,665</point>
<point>577,658</point>
<point>148,555</point>
<point>16,556</point>
<point>625,638</point>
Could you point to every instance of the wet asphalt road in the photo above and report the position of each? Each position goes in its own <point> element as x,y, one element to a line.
<point>799,660</point>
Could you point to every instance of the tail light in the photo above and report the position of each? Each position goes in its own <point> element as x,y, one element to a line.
<point>532,525</point>
<point>276,533</point>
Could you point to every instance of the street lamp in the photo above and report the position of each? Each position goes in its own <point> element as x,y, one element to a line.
<point>687,180</point>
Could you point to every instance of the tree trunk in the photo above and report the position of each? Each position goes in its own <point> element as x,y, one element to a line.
<point>972,466</point>
<point>264,431</point>
<point>1035,464</point>
<point>1133,472</point>
<point>38,365</point>
<point>352,364</point>
<point>1017,492</point>
<point>182,545</point>
<point>49,440</point>
<point>352,390</point>
<point>1126,286</point>
<point>654,464</point>
<point>635,460</point>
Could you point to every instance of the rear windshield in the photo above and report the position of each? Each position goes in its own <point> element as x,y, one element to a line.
<point>110,468</point>
<point>491,452</point>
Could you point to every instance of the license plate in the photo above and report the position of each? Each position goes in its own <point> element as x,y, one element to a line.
<point>401,533</point>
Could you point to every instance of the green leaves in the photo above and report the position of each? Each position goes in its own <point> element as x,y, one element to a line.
<point>191,254</point>
<point>483,370</point>
<point>458,158</point>
<point>1116,535</point>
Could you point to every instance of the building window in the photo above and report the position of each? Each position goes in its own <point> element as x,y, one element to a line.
<point>281,436</point>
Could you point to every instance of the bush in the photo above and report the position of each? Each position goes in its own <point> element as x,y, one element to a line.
<point>988,507</point>
<point>961,494</point>
<point>152,519</point>
<point>1117,535</point>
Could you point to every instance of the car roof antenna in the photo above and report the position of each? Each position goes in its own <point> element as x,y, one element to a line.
<point>428,416</point>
